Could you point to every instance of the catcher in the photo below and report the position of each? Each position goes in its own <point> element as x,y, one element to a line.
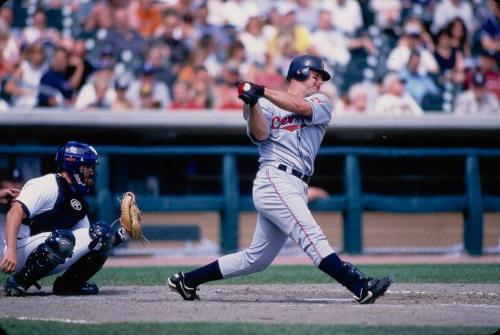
<point>47,230</point>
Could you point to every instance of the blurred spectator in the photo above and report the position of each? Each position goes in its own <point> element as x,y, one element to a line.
<point>145,17</point>
<point>178,51</point>
<point>121,101</point>
<point>24,84</point>
<point>307,13</point>
<point>147,91</point>
<point>447,10</point>
<point>57,85</point>
<point>207,28</point>
<point>188,32</point>
<point>101,15</point>
<point>477,100</point>
<point>268,75</point>
<point>158,57</point>
<point>9,50</point>
<point>99,92</point>
<point>332,45</point>
<point>79,53</point>
<point>4,106</point>
<point>184,97</point>
<point>226,93</point>
<point>254,41</point>
<point>236,56</point>
<point>417,84</point>
<point>359,101</point>
<point>346,15</point>
<point>450,60</point>
<point>237,12</point>
<point>123,41</point>
<point>459,36</point>
<point>394,101</point>
<point>489,27</point>
<point>387,13</point>
<point>411,42</point>
<point>291,38</point>
<point>488,66</point>
<point>38,31</point>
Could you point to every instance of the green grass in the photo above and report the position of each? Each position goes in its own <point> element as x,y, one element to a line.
<point>303,274</point>
<point>35,327</point>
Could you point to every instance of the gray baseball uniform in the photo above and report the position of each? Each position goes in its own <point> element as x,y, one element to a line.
<point>280,188</point>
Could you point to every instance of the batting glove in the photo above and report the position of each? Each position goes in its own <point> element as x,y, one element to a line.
<point>250,93</point>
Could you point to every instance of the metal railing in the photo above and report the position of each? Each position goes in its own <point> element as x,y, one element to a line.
<point>352,202</point>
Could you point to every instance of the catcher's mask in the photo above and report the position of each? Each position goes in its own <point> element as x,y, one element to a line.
<point>79,160</point>
<point>301,66</point>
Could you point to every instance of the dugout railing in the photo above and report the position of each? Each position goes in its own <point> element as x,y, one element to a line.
<point>352,202</point>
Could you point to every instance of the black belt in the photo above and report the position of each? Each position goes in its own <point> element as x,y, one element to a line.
<point>305,178</point>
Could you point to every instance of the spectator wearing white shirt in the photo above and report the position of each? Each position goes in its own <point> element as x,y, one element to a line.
<point>24,84</point>
<point>99,92</point>
<point>394,101</point>
<point>477,100</point>
<point>254,41</point>
<point>447,10</point>
<point>412,42</point>
<point>346,15</point>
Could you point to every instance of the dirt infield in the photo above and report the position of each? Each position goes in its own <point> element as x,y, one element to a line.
<point>403,304</point>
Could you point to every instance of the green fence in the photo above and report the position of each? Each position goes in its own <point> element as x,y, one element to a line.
<point>352,202</point>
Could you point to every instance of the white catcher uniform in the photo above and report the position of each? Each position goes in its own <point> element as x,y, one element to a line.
<point>39,196</point>
<point>280,188</point>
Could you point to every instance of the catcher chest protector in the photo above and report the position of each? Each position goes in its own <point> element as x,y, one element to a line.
<point>301,66</point>
<point>70,207</point>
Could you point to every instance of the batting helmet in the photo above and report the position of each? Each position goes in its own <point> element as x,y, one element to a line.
<point>301,67</point>
<point>70,157</point>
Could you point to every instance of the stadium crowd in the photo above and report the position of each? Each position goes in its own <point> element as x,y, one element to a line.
<point>389,57</point>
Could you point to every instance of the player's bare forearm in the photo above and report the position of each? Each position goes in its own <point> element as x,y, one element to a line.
<point>289,102</point>
<point>13,224</point>
<point>257,123</point>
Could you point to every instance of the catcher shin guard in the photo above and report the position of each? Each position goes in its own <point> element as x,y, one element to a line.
<point>74,279</point>
<point>45,258</point>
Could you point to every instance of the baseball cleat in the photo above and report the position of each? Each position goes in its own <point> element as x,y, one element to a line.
<point>373,289</point>
<point>176,283</point>
<point>85,289</point>
<point>13,288</point>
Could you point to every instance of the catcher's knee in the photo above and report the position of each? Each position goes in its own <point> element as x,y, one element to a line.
<point>60,244</point>
<point>103,238</point>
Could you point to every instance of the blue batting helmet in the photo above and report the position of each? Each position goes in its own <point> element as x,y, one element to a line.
<point>301,67</point>
<point>70,157</point>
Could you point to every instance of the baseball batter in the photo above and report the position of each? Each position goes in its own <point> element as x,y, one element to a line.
<point>48,231</point>
<point>288,128</point>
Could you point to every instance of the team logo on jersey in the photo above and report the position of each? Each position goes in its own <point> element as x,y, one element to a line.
<point>77,206</point>
<point>290,123</point>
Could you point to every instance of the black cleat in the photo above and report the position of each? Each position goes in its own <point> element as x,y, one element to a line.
<point>86,289</point>
<point>13,288</point>
<point>176,283</point>
<point>373,289</point>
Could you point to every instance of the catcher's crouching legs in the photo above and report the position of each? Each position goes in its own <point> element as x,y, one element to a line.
<point>74,279</point>
<point>43,259</point>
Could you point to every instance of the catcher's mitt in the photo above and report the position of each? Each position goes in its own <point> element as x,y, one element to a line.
<point>130,217</point>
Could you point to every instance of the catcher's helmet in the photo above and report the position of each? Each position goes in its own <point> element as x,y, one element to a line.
<point>301,66</point>
<point>70,157</point>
